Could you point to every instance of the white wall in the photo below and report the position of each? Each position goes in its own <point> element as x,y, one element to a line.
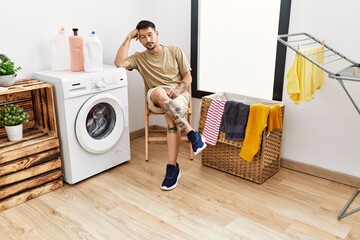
<point>325,132</point>
<point>30,25</point>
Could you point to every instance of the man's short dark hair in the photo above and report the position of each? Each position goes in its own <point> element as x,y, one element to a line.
<point>145,24</point>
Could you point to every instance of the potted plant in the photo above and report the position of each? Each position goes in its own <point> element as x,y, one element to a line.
<point>7,71</point>
<point>13,117</point>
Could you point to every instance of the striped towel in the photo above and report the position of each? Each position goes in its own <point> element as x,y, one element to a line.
<point>213,120</point>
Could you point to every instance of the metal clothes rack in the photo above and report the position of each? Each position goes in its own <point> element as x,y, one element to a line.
<point>337,66</point>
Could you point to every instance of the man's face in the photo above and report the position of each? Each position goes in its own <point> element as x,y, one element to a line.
<point>148,38</point>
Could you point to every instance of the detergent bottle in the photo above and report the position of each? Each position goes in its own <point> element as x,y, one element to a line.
<point>93,54</point>
<point>76,43</point>
<point>60,53</point>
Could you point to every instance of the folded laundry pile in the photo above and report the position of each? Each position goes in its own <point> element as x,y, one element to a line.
<point>241,121</point>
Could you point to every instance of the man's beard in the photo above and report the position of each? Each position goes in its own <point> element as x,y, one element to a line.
<point>150,48</point>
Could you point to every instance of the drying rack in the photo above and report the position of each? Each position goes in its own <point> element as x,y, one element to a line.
<point>337,66</point>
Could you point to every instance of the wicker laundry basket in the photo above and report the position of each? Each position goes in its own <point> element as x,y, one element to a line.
<point>225,154</point>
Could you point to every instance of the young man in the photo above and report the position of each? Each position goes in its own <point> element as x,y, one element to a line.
<point>166,72</point>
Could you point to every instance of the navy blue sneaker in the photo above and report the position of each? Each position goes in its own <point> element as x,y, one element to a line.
<point>197,141</point>
<point>172,177</point>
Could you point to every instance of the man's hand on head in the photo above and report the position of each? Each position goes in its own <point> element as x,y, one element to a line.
<point>134,34</point>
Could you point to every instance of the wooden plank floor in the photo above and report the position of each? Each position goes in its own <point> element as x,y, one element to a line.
<point>126,203</point>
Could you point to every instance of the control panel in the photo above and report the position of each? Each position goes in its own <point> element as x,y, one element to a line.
<point>74,84</point>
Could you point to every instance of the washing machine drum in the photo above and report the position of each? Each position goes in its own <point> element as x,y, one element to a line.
<point>100,123</point>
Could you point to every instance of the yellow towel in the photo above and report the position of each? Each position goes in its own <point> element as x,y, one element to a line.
<point>293,85</point>
<point>275,118</point>
<point>304,78</point>
<point>318,74</point>
<point>257,121</point>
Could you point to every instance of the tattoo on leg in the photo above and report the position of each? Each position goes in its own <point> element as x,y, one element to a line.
<point>172,129</point>
<point>181,123</point>
<point>165,106</point>
<point>173,108</point>
<point>176,114</point>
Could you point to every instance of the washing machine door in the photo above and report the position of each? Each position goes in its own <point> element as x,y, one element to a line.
<point>100,123</point>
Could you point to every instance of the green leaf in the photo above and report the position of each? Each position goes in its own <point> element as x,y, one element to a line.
<point>11,115</point>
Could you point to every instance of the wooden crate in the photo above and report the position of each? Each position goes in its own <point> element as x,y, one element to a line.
<point>32,166</point>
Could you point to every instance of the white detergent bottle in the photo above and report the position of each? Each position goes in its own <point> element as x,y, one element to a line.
<point>93,54</point>
<point>60,54</point>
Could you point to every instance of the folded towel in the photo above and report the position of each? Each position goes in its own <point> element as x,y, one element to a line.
<point>213,120</point>
<point>257,121</point>
<point>275,118</point>
<point>234,120</point>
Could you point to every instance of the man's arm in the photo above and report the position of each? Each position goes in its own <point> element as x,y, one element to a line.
<point>185,82</point>
<point>122,53</point>
<point>182,87</point>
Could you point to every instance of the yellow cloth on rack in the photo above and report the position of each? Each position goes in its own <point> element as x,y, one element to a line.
<point>304,78</point>
<point>257,122</point>
<point>275,118</point>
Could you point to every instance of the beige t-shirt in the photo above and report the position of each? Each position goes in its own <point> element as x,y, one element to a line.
<point>164,68</point>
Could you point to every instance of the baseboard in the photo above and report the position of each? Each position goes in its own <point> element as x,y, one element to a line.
<point>141,132</point>
<point>137,133</point>
<point>321,172</point>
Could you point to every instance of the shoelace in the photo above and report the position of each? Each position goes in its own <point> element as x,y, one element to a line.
<point>193,138</point>
<point>170,172</point>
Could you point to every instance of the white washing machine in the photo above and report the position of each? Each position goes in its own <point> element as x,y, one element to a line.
<point>92,120</point>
